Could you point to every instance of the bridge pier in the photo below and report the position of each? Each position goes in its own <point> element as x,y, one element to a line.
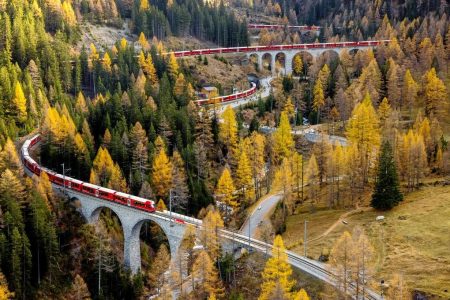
<point>131,221</point>
<point>260,62</point>
<point>273,64</point>
<point>289,57</point>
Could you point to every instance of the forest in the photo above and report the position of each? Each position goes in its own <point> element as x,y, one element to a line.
<point>124,117</point>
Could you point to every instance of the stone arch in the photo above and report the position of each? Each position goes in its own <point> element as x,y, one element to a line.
<point>172,230</point>
<point>329,55</point>
<point>266,60</point>
<point>136,233</point>
<point>307,59</point>
<point>280,62</point>
<point>95,214</point>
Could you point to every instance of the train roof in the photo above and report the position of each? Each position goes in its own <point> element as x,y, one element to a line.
<point>30,159</point>
<point>103,189</point>
<point>140,199</point>
<point>74,180</point>
<point>26,144</point>
<point>90,185</point>
<point>120,194</point>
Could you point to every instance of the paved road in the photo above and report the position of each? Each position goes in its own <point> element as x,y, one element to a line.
<point>311,135</point>
<point>260,215</point>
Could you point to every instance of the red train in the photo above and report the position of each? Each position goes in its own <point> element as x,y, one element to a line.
<point>80,186</point>
<point>278,48</point>
<point>281,26</point>
<point>228,98</point>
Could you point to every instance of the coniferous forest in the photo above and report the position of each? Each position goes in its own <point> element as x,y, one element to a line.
<point>124,116</point>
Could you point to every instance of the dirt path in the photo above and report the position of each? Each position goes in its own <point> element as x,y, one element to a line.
<point>338,221</point>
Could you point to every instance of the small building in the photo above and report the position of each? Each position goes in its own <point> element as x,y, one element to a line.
<point>209,91</point>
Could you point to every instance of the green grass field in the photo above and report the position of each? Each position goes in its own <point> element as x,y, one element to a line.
<point>414,239</point>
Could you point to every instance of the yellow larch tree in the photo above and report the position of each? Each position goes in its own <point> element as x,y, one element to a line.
<point>298,173</point>
<point>209,234</point>
<point>393,84</point>
<point>225,189</point>
<point>283,143</point>
<point>81,103</point>
<point>342,260</point>
<point>143,41</point>
<point>298,64</point>
<point>277,273</point>
<point>94,53</point>
<point>141,59</point>
<point>161,206</point>
<point>172,66</point>
<point>363,131</point>
<point>212,296</point>
<point>144,5</point>
<point>117,181</point>
<point>11,186</point>
<point>161,174</point>
<point>369,81</point>
<point>114,50</point>
<point>244,178</point>
<point>312,177</point>
<point>159,267</point>
<point>435,94</point>
<point>44,188</point>
<point>160,145</point>
<point>68,13</point>
<point>289,107</point>
<point>9,159</point>
<point>106,140</point>
<point>123,43</point>
<point>205,277</point>
<point>301,295</point>
<point>413,162</point>
<point>323,76</point>
<point>180,85</point>
<point>384,110</point>
<point>102,168</point>
<point>5,294</point>
<point>81,150</point>
<point>256,151</point>
<point>19,103</point>
<point>319,97</point>
<point>424,129</point>
<point>228,130</point>
<point>59,128</point>
<point>362,261</point>
<point>106,62</point>
<point>283,181</point>
<point>149,70</point>
<point>339,166</point>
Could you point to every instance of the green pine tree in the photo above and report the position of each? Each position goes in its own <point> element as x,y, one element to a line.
<point>387,191</point>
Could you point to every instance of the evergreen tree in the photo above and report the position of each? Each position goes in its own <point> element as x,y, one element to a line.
<point>387,191</point>
<point>159,267</point>
<point>19,103</point>
<point>205,277</point>
<point>180,190</point>
<point>228,130</point>
<point>244,177</point>
<point>298,64</point>
<point>282,139</point>
<point>162,174</point>
<point>277,273</point>
<point>225,189</point>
